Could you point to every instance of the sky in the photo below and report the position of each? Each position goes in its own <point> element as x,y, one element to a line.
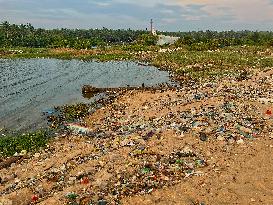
<point>168,15</point>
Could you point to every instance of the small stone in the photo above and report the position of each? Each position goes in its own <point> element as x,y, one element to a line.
<point>183,129</point>
<point>102,202</point>
<point>231,140</point>
<point>252,200</point>
<point>187,150</point>
<point>72,179</point>
<point>240,141</point>
<point>220,138</point>
<point>63,167</point>
<point>37,155</point>
<point>17,180</point>
<point>203,137</point>
<point>124,142</point>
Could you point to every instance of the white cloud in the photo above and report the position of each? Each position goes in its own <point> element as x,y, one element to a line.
<point>103,4</point>
<point>166,11</point>
<point>241,10</point>
<point>169,20</point>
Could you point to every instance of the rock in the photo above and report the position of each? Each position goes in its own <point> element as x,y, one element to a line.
<point>203,136</point>
<point>183,128</point>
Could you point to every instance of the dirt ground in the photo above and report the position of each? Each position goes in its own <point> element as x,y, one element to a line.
<point>230,160</point>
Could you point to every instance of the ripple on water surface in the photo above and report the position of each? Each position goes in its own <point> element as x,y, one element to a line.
<point>29,86</point>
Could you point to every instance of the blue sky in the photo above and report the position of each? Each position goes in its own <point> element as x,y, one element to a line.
<point>172,15</point>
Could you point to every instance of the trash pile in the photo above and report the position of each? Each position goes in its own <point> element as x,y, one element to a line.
<point>130,145</point>
<point>142,172</point>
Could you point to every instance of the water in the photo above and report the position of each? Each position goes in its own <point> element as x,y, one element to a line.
<point>30,86</point>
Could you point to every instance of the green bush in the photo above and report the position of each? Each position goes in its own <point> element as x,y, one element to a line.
<point>147,40</point>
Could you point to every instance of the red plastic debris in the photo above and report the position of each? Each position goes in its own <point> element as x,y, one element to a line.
<point>268,112</point>
<point>84,180</point>
<point>34,198</point>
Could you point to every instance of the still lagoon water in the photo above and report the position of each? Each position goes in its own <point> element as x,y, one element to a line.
<point>30,86</point>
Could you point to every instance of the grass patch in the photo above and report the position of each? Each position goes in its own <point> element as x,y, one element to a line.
<point>9,145</point>
<point>210,64</point>
<point>72,112</point>
<point>107,54</point>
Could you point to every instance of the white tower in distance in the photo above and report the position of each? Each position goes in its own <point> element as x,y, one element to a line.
<point>153,31</point>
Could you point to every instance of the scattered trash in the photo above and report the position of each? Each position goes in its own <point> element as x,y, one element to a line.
<point>85,180</point>
<point>268,112</point>
<point>246,132</point>
<point>102,202</point>
<point>77,129</point>
<point>132,139</point>
<point>23,153</point>
<point>34,198</point>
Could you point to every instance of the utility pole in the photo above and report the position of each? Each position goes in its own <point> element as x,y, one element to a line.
<point>152,26</point>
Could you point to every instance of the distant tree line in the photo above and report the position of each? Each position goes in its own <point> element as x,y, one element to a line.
<point>213,39</point>
<point>25,35</point>
<point>12,35</point>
